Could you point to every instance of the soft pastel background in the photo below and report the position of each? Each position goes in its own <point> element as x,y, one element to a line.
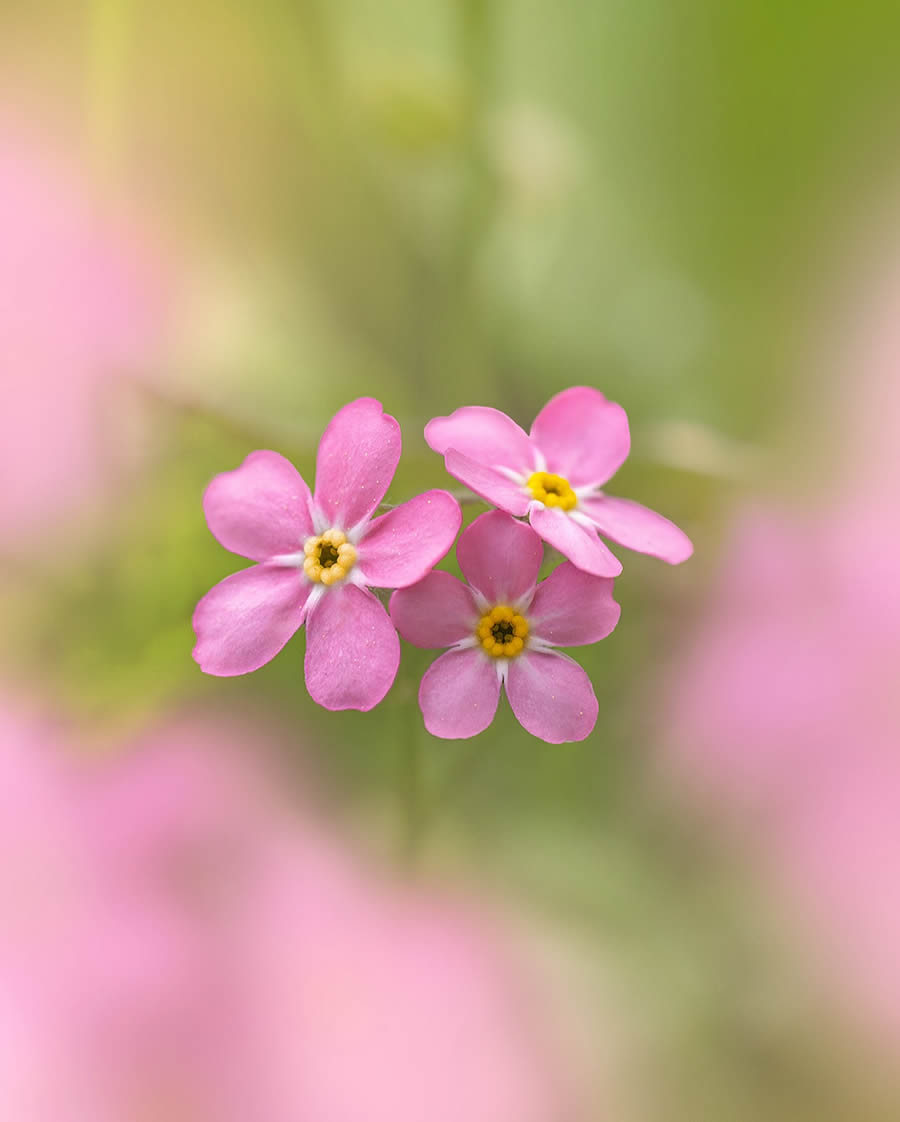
<point>219,221</point>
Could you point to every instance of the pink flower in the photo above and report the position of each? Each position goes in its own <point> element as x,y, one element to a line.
<point>781,714</point>
<point>781,720</point>
<point>392,1003</point>
<point>578,441</point>
<point>318,557</point>
<point>183,935</point>
<point>80,302</point>
<point>503,628</point>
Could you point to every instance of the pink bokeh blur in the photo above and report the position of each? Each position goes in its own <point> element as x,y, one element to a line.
<point>783,717</point>
<point>180,940</point>
<point>82,302</point>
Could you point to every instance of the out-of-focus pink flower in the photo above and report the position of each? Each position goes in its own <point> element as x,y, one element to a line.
<point>503,629</point>
<point>78,302</point>
<point>783,714</point>
<point>393,1004</point>
<point>42,929</point>
<point>318,557</point>
<point>179,940</point>
<point>578,441</point>
<point>784,719</point>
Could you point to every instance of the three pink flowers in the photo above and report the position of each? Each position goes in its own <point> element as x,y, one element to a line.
<point>318,556</point>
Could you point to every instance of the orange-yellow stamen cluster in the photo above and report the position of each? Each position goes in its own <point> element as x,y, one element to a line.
<point>329,557</point>
<point>552,490</point>
<point>502,632</point>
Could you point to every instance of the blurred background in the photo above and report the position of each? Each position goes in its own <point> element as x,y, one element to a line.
<point>219,222</point>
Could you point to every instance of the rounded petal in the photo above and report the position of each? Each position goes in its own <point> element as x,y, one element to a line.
<point>437,612</point>
<point>260,509</point>
<point>459,694</point>
<point>400,547</point>
<point>485,435</point>
<point>583,436</point>
<point>572,608</point>
<point>352,650</point>
<point>577,542</point>
<point>638,528</point>
<point>500,557</point>
<point>551,696</point>
<point>244,621</point>
<point>356,461</point>
<point>490,484</point>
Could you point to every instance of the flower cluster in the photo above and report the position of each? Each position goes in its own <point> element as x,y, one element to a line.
<point>318,556</point>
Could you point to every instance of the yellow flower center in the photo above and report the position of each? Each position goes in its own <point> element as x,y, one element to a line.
<point>329,557</point>
<point>502,632</point>
<point>551,490</point>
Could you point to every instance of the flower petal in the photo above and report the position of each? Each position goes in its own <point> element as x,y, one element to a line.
<point>551,696</point>
<point>491,485</point>
<point>400,547</point>
<point>485,435</point>
<point>352,650</point>
<point>572,608</point>
<point>356,461</point>
<point>247,618</point>
<point>459,694</point>
<point>260,509</point>
<point>636,527</point>
<point>583,436</point>
<point>436,612</point>
<point>500,557</point>
<point>579,543</point>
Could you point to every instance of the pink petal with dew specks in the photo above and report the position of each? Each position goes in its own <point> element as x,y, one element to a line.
<point>500,557</point>
<point>400,547</point>
<point>352,650</point>
<point>459,694</point>
<point>572,608</point>
<point>244,621</point>
<point>358,455</point>
<point>489,484</point>
<point>551,696</point>
<point>579,543</point>
<point>437,612</point>
<point>485,435</point>
<point>636,527</point>
<point>583,436</point>
<point>261,509</point>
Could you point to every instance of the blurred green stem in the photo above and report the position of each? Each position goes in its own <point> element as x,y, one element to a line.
<point>461,768</point>
<point>413,792</point>
<point>476,52</point>
<point>462,495</point>
<point>423,808</point>
<point>109,34</point>
<point>301,37</point>
<point>475,40</point>
<point>452,327</point>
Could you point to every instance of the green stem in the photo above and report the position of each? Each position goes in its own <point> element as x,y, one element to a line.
<point>421,809</point>
<point>413,789</point>
<point>475,35</point>
<point>110,33</point>
<point>457,773</point>
<point>475,30</point>
<point>462,495</point>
